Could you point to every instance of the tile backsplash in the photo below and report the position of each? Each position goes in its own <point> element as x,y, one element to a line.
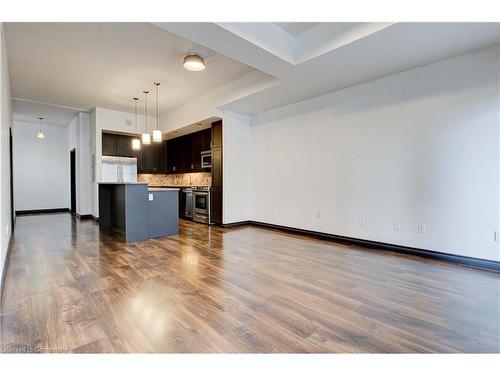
<point>179,179</point>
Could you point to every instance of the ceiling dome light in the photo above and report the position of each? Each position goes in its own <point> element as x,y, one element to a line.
<point>194,63</point>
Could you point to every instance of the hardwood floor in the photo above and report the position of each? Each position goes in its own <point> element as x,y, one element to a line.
<point>72,287</point>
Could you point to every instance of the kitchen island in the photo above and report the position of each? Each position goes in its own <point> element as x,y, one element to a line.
<point>138,212</point>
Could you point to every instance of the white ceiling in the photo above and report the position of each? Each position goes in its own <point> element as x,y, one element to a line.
<point>296,28</point>
<point>251,67</point>
<point>29,111</point>
<point>335,55</point>
<point>105,64</point>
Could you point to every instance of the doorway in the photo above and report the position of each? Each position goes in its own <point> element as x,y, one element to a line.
<point>72,163</point>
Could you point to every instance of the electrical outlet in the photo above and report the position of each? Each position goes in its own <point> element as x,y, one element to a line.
<point>497,236</point>
<point>318,214</point>
<point>421,228</point>
<point>151,197</point>
<point>396,225</point>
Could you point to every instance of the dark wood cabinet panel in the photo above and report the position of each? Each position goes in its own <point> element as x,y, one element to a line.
<point>216,204</point>
<point>124,146</point>
<point>196,148</point>
<point>216,199</point>
<point>138,155</point>
<point>160,154</point>
<point>179,158</point>
<point>217,134</point>
<point>200,142</point>
<point>109,144</point>
<point>184,153</point>
<point>148,159</point>
<point>153,158</point>
<point>172,158</point>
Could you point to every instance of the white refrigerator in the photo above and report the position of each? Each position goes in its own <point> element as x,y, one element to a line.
<point>118,169</point>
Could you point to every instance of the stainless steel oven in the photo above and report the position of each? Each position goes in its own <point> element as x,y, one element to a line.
<point>188,202</point>
<point>206,159</point>
<point>201,206</point>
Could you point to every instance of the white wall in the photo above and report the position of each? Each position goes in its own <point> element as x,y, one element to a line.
<point>5,123</point>
<point>236,154</point>
<point>84,186</point>
<point>418,147</point>
<point>41,167</point>
<point>207,105</point>
<point>79,139</point>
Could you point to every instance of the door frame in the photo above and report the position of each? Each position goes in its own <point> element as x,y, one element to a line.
<point>11,163</point>
<point>72,180</point>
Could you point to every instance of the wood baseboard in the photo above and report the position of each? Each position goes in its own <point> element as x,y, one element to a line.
<point>42,211</point>
<point>236,223</point>
<point>485,264</point>
<point>86,217</point>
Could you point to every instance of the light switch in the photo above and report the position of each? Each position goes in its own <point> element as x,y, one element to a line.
<point>150,198</point>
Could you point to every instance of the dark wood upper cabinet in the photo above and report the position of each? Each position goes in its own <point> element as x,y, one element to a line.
<point>150,158</point>
<point>179,155</point>
<point>124,146</point>
<point>109,144</point>
<point>184,153</point>
<point>200,142</point>
<point>160,154</point>
<point>172,157</point>
<point>217,134</point>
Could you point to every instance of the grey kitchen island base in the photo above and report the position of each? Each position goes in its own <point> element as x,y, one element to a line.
<point>138,213</point>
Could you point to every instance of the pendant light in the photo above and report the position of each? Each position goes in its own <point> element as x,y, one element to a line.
<point>157,135</point>
<point>146,137</point>
<point>136,143</point>
<point>40,134</point>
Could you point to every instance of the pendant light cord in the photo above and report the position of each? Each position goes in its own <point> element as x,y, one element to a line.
<point>146,111</point>
<point>157,84</point>
<point>135,112</point>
